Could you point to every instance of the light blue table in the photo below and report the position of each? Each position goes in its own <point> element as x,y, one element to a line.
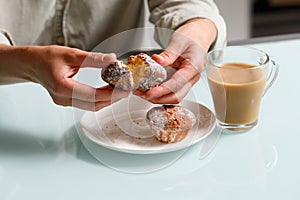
<point>42,157</point>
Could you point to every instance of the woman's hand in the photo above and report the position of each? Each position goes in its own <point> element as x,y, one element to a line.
<point>53,67</point>
<point>185,55</point>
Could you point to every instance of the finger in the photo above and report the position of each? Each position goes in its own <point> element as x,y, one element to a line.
<point>78,58</point>
<point>76,90</point>
<point>178,80</point>
<point>177,45</point>
<point>166,58</point>
<point>90,59</point>
<point>85,105</point>
<point>95,59</point>
<point>175,98</point>
<point>95,106</point>
<point>106,93</point>
<point>91,106</point>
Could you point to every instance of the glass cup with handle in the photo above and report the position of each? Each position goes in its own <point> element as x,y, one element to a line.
<point>238,78</point>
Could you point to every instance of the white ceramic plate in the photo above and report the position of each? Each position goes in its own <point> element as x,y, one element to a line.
<point>122,127</point>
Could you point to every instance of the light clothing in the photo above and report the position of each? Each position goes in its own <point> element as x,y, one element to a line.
<point>86,23</point>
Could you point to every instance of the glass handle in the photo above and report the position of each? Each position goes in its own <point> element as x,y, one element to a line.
<point>272,75</point>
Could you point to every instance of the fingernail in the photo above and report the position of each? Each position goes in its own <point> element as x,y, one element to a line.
<point>159,57</point>
<point>111,57</point>
<point>136,92</point>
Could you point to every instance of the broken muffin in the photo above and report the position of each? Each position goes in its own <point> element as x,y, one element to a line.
<point>139,72</point>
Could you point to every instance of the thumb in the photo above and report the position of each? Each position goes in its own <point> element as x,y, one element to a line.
<point>98,60</point>
<point>165,58</point>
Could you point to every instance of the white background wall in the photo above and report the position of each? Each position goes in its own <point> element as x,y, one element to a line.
<point>237,14</point>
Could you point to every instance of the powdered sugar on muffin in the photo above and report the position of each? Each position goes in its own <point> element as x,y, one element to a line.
<point>170,123</point>
<point>140,72</point>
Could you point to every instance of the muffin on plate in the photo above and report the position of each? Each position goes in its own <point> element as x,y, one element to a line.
<point>170,123</point>
<point>139,72</point>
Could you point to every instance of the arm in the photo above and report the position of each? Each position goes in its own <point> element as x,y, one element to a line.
<point>53,67</point>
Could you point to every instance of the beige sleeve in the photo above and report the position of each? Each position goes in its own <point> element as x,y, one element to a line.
<point>5,38</point>
<point>170,14</point>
